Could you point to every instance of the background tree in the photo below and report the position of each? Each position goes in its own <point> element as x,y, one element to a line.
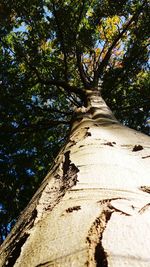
<point>50,52</point>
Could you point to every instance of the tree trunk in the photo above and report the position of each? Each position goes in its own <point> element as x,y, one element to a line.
<point>93,208</point>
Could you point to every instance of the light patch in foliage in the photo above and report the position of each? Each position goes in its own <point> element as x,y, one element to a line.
<point>89,12</point>
<point>108,28</point>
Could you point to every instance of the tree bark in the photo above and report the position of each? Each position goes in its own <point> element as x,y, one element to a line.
<point>93,208</point>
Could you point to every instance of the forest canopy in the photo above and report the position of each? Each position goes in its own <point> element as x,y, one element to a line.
<point>50,51</point>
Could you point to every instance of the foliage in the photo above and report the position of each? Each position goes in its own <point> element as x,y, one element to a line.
<point>50,51</point>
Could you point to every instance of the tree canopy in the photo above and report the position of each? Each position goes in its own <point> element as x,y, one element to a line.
<point>50,52</point>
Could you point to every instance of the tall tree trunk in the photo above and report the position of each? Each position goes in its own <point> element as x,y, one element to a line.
<point>93,208</point>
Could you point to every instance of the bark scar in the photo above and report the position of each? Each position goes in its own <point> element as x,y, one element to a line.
<point>145,188</point>
<point>97,254</point>
<point>146,157</point>
<point>137,148</point>
<point>110,143</point>
<point>146,207</point>
<point>69,171</point>
<point>65,176</point>
<point>71,209</point>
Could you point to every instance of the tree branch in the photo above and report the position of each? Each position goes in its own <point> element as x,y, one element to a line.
<point>123,108</point>
<point>80,16</point>
<point>82,73</point>
<point>61,38</point>
<point>81,70</point>
<point>103,64</point>
<point>123,72</point>
<point>33,127</point>
<point>103,49</point>
<point>50,109</point>
<point>59,83</point>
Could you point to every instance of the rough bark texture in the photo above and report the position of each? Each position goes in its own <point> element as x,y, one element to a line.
<point>93,208</point>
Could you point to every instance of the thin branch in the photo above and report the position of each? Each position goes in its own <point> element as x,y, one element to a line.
<point>80,17</point>
<point>123,72</point>
<point>34,127</point>
<point>125,109</point>
<point>50,109</point>
<point>61,37</point>
<point>6,46</point>
<point>70,97</point>
<point>103,64</point>
<point>86,72</point>
<point>63,84</point>
<point>59,83</point>
<point>104,46</point>
<point>81,70</point>
<point>82,73</point>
